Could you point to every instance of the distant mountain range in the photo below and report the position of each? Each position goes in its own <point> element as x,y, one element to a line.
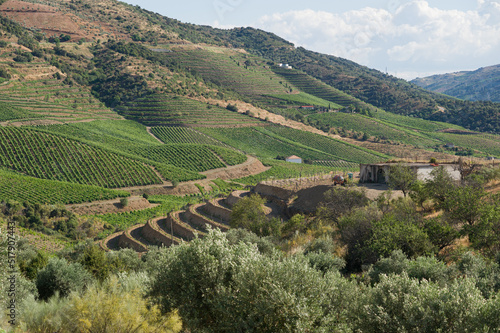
<point>479,85</point>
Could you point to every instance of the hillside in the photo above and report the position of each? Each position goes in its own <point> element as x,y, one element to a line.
<point>478,85</point>
<point>93,82</point>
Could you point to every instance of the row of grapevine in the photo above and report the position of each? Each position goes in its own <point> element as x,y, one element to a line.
<point>285,170</point>
<point>170,110</point>
<point>243,73</point>
<point>183,135</point>
<point>328,145</point>
<point>52,157</point>
<point>23,188</point>
<point>196,158</point>
<point>338,165</point>
<point>229,156</point>
<point>52,99</point>
<point>373,127</point>
<point>317,88</point>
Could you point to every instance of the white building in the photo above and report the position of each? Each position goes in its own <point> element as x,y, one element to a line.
<point>287,66</point>
<point>294,159</point>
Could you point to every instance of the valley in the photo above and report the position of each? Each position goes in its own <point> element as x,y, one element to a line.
<point>130,142</point>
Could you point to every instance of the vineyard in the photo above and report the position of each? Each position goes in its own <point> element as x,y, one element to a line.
<point>243,73</point>
<point>486,143</point>
<point>170,110</point>
<point>171,172</point>
<point>183,135</point>
<point>22,188</point>
<point>317,88</point>
<point>338,165</point>
<point>47,156</point>
<point>303,98</point>
<point>180,162</point>
<point>285,170</point>
<point>412,122</point>
<point>252,141</point>
<point>107,134</point>
<point>196,158</point>
<point>51,99</point>
<point>373,127</point>
<point>8,112</point>
<point>274,141</point>
<point>229,156</point>
<point>337,148</point>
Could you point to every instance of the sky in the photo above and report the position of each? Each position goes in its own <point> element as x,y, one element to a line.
<point>406,38</point>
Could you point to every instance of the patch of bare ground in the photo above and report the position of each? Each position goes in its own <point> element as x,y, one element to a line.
<point>110,206</point>
<point>42,17</point>
<point>262,114</point>
<point>252,166</point>
<point>402,151</point>
<point>456,131</point>
<point>154,136</point>
<point>308,192</point>
<point>34,122</point>
<point>493,187</point>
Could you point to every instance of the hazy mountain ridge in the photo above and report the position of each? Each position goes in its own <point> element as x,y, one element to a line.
<point>479,85</point>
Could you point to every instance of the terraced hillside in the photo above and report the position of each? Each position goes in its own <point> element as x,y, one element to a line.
<point>52,100</point>
<point>183,135</point>
<point>384,126</point>
<point>315,87</point>
<point>20,188</point>
<point>246,74</point>
<point>173,160</point>
<point>273,141</point>
<point>172,110</point>
<point>373,127</point>
<point>53,157</point>
<point>177,227</point>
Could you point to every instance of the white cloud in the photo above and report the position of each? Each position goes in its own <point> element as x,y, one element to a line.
<point>407,35</point>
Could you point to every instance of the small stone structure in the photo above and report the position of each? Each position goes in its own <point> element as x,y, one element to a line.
<point>379,173</point>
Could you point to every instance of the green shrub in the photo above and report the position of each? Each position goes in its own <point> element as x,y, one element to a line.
<point>124,202</point>
<point>61,277</point>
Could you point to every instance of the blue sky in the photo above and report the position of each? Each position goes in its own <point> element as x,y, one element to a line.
<point>408,37</point>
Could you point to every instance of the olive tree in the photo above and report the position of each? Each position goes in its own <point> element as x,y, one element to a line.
<point>219,287</point>
<point>402,177</point>
<point>61,277</point>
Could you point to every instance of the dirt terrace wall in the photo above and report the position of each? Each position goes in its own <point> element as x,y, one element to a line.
<point>126,240</point>
<point>235,196</point>
<point>200,220</point>
<point>155,236</point>
<point>251,167</point>
<point>273,191</point>
<point>213,208</point>
<point>178,228</point>
<point>104,243</point>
